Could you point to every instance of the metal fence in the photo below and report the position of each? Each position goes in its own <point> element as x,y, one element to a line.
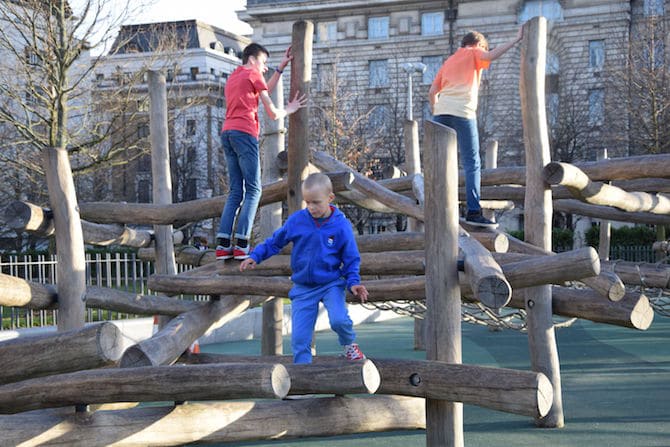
<point>121,271</point>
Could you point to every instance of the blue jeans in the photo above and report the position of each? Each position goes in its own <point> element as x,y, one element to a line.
<point>467,137</point>
<point>304,311</point>
<point>244,175</point>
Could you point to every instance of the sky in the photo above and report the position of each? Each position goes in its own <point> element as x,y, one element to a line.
<point>220,13</point>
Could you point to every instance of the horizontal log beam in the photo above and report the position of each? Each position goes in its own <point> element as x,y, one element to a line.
<point>600,193</point>
<point>17,292</point>
<point>574,206</point>
<point>93,346</point>
<point>148,384</point>
<point>339,377</point>
<point>485,277</point>
<point>217,422</point>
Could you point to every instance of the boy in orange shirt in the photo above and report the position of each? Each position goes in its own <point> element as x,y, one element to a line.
<point>453,97</point>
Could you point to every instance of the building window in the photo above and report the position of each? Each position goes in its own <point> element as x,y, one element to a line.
<point>194,73</point>
<point>143,105</point>
<point>379,73</point>
<point>378,28</point>
<point>144,163</point>
<point>654,7</point>
<point>144,191</point>
<point>596,54</point>
<point>325,75</point>
<point>190,128</point>
<point>99,76</point>
<point>219,102</point>
<point>433,64</point>
<point>169,77</point>
<point>551,9</point>
<point>326,32</point>
<point>191,156</point>
<point>379,117</point>
<point>653,54</point>
<point>596,106</point>
<point>32,57</point>
<point>432,23</point>
<point>142,131</point>
<point>551,88</point>
<point>190,189</point>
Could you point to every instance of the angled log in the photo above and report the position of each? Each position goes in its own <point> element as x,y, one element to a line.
<point>147,384</point>
<point>93,346</point>
<point>599,193</point>
<point>17,292</point>
<point>605,283</point>
<point>640,274</point>
<point>178,334</point>
<point>574,206</point>
<point>25,216</point>
<point>222,422</point>
<point>337,376</point>
<point>366,192</point>
<point>486,278</point>
<point>633,311</point>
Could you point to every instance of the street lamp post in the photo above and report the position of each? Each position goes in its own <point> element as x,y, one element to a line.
<point>412,68</point>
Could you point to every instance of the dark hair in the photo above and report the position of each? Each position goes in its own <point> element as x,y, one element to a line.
<point>253,49</point>
<point>474,38</point>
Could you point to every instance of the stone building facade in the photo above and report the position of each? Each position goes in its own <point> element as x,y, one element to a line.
<point>363,45</point>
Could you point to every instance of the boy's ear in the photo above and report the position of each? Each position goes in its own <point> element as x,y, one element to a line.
<point>331,196</point>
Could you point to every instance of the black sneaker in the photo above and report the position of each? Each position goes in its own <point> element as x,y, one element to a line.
<point>478,220</point>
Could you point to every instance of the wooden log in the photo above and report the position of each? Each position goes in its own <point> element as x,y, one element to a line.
<point>444,420</point>
<point>176,336</point>
<point>17,292</point>
<point>640,274</point>
<point>661,246</point>
<point>147,384</point>
<point>538,209</point>
<point>520,392</point>
<point>369,188</point>
<point>486,278</point>
<point>25,216</point>
<point>93,346</point>
<point>335,376</point>
<point>625,168</point>
<point>512,391</point>
<point>606,283</point>
<point>222,422</point>
<point>599,193</point>
<point>413,166</point>
<point>574,206</point>
<point>156,214</point>
<point>633,311</point>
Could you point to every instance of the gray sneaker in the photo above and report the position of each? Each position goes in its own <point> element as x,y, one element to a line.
<point>478,220</point>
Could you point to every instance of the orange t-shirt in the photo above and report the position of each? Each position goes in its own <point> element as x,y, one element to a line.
<point>457,82</point>
<point>243,89</point>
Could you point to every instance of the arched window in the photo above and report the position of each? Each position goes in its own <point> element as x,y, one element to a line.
<point>550,9</point>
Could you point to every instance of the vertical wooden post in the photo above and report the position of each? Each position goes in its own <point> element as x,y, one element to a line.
<point>538,210</point>
<point>160,172</point>
<point>605,225</point>
<point>71,278</point>
<point>413,166</point>
<point>298,137</point>
<point>491,162</point>
<point>270,220</point>
<point>444,420</point>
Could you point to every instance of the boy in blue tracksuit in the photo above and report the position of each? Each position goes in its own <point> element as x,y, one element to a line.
<point>324,261</point>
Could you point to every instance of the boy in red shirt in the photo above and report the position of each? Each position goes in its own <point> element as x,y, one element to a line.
<point>239,137</point>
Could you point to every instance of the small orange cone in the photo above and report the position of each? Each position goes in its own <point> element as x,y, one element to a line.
<point>154,329</point>
<point>194,348</point>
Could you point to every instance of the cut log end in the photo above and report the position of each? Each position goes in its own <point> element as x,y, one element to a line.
<point>371,377</point>
<point>494,291</point>
<point>553,173</point>
<point>281,381</point>
<point>545,395</point>
<point>110,342</point>
<point>642,314</point>
<point>134,357</point>
<point>616,291</point>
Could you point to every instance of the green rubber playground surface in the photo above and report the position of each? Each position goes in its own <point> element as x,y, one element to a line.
<point>616,385</point>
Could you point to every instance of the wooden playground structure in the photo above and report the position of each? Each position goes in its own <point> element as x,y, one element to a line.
<point>85,369</point>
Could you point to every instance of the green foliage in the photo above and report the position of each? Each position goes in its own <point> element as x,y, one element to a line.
<point>626,236</point>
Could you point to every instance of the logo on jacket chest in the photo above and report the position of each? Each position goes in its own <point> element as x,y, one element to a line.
<point>330,241</point>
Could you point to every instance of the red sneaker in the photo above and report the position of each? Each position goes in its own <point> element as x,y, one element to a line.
<point>224,252</point>
<point>241,253</point>
<point>353,352</point>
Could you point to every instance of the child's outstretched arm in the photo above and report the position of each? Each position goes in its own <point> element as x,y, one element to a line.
<point>360,292</point>
<point>502,49</point>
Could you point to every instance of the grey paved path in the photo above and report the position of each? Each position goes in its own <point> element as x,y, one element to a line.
<point>616,385</point>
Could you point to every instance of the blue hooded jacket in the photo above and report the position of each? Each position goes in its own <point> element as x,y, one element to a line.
<point>321,253</point>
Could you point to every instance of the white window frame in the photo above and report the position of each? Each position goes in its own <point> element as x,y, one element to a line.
<point>432,23</point>
<point>378,28</point>
<point>597,54</point>
<point>378,73</point>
